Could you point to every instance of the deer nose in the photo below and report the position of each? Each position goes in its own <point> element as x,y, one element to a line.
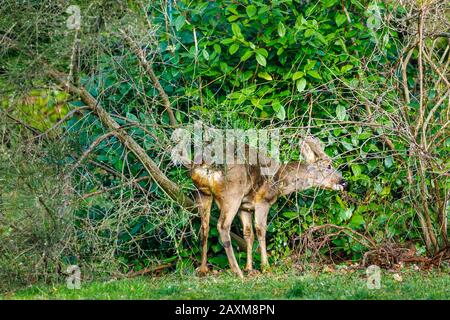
<point>343,183</point>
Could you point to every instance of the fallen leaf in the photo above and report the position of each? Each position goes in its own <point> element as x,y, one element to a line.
<point>397,277</point>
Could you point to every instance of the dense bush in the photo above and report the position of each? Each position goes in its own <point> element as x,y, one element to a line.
<point>331,68</point>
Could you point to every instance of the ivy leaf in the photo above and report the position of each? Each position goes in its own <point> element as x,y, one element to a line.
<point>246,55</point>
<point>290,214</point>
<point>279,109</point>
<point>314,74</point>
<point>356,169</point>
<point>281,29</point>
<point>260,59</point>
<point>132,117</point>
<point>205,54</point>
<point>297,75</point>
<point>310,65</point>
<point>346,214</point>
<point>301,84</point>
<point>357,221</point>
<point>265,75</point>
<point>346,68</point>
<point>236,30</point>
<point>263,52</point>
<point>233,48</point>
<point>251,10</point>
<point>179,22</point>
<point>388,161</point>
<point>309,33</point>
<point>257,103</point>
<point>340,19</point>
<point>341,112</point>
<point>281,114</point>
<point>276,105</point>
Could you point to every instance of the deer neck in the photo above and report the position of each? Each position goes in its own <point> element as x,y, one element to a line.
<point>293,177</point>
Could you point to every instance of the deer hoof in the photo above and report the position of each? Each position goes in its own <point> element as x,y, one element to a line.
<point>251,272</point>
<point>202,271</point>
<point>239,273</point>
<point>265,269</point>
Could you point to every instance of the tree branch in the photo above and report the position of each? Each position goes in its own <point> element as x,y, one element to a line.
<point>149,69</point>
<point>171,188</point>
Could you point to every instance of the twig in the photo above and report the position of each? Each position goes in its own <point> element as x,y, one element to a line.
<point>133,274</point>
<point>149,69</point>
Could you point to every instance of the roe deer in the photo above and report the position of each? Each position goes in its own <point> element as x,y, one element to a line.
<point>242,187</point>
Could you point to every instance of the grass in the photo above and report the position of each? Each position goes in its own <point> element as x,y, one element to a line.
<point>336,285</point>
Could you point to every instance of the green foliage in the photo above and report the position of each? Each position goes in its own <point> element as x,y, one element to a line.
<point>308,66</point>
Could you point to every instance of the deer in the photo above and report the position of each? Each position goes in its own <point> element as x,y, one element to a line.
<point>243,188</point>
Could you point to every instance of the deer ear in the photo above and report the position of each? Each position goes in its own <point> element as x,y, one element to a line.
<point>317,148</point>
<point>307,152</point>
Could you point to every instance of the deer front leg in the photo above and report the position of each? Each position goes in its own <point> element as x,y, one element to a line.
<point>246,219</point>
<point>228,209</point>
<point>204,206</point>
<point>261,212</point>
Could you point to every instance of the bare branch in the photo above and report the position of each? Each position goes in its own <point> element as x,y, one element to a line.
<point>149,69</point>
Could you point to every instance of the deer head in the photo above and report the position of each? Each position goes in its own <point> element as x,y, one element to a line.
<point>317,171</point>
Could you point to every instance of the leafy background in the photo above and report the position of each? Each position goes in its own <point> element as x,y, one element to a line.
<point>306,66</point>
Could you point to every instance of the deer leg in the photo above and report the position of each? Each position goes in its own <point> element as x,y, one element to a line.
<point>246,219</point>
<point>228,209</point>
<point>261,212</point>
<point>204,206</point>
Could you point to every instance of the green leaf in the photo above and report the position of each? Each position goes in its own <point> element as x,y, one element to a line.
<point>340,19</point>
<point>132,117</point>
<point>262,52</point>
<point>344,215</point>
<point>297,75</point>
<point>227,41</point>
<point>314,74</point>
<point>341,112</point>
<point>265,75</point>
<point>357,220</point>
<point>276,105</point>
<point>236,30</point>
<point>233,48</point>
<point>301,84</point>
<point>281,114</point>
<point>205,54</point>
<point>233,10</point>
<point>309,33</point>
<point>346,68</point>
<point>290,214</point>
<point>179,22</point>
<point>281,29</point>
<point>217,48</point>
<point>311,64</point>
<point>260,59</point>
<point>388,161</point>
<point>356,169</point>
<point>251,10</point>
<point>246,55</point>
<point>257,103</point>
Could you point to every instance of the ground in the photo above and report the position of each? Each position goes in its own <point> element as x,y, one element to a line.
<point>323,285</point>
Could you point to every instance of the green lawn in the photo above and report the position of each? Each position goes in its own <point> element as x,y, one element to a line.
<point>336,285</point>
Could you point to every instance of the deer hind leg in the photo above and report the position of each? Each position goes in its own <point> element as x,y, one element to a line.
<point>229,207</point>
<point>261,212</point>
<point>204,206</point>
<point>246,219</point>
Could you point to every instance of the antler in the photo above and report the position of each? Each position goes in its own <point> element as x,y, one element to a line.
<point>312,150</point>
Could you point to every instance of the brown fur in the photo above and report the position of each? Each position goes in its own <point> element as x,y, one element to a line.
<point>242,187</point>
